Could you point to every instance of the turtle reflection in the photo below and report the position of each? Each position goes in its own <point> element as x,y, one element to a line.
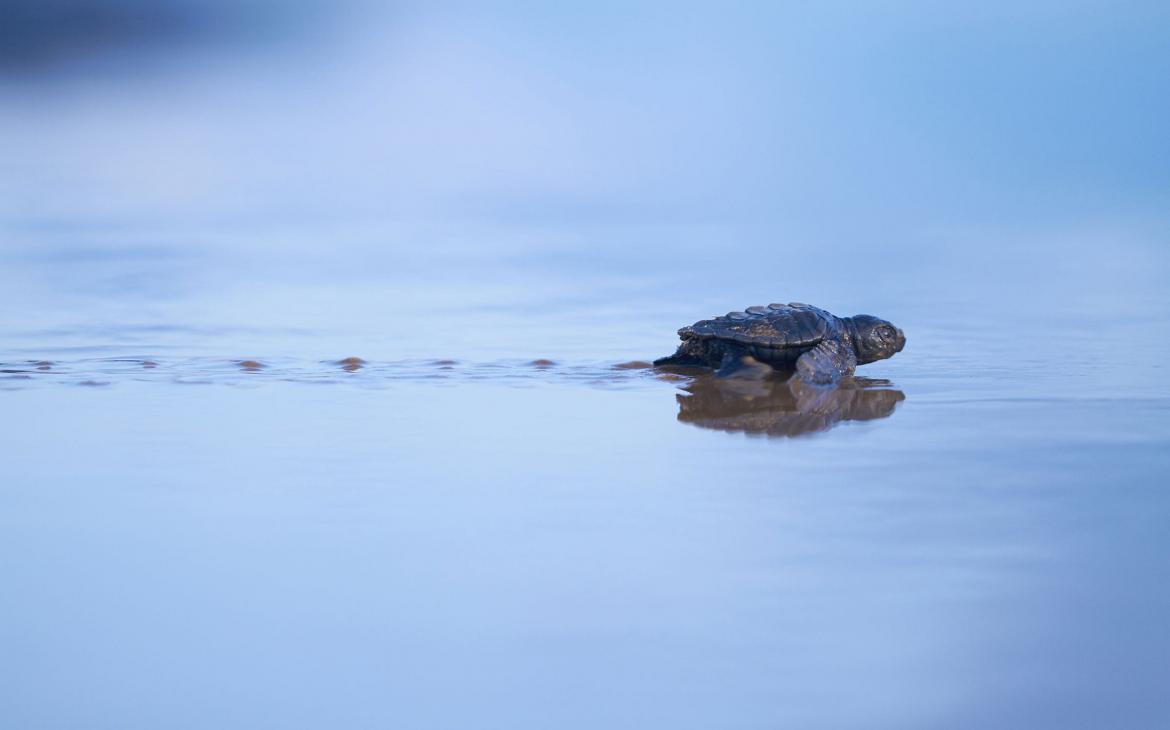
<point>783,407</point>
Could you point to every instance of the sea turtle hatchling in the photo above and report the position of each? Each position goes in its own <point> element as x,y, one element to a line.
<point>823,348</point>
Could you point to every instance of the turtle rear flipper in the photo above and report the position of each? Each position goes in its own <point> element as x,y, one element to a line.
<point>827,363</point>
<point>681,358</point>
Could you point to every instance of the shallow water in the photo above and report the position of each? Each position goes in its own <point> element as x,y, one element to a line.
<point>224,519</point>
<point>321,406</point>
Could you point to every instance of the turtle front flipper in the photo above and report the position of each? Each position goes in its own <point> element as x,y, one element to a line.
<point>827,363</point>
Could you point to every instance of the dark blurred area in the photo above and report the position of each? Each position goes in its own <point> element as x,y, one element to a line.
<point>41,35</point>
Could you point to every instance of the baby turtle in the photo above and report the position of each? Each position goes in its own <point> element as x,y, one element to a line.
<point>822,347</point>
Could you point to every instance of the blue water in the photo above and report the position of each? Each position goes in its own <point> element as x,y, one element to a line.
<point>498,518</point>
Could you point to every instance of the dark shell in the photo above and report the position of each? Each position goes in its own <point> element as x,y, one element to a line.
<point>777,325</point>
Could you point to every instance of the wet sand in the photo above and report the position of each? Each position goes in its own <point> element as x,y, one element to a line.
<point>509,499</point>
<point>526,537</point>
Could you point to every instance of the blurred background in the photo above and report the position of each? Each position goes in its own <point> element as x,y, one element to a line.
<point>215,164</point>
<point>864,116</point>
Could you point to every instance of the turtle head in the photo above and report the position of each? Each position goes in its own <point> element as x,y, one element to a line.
<point>875,339</point>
